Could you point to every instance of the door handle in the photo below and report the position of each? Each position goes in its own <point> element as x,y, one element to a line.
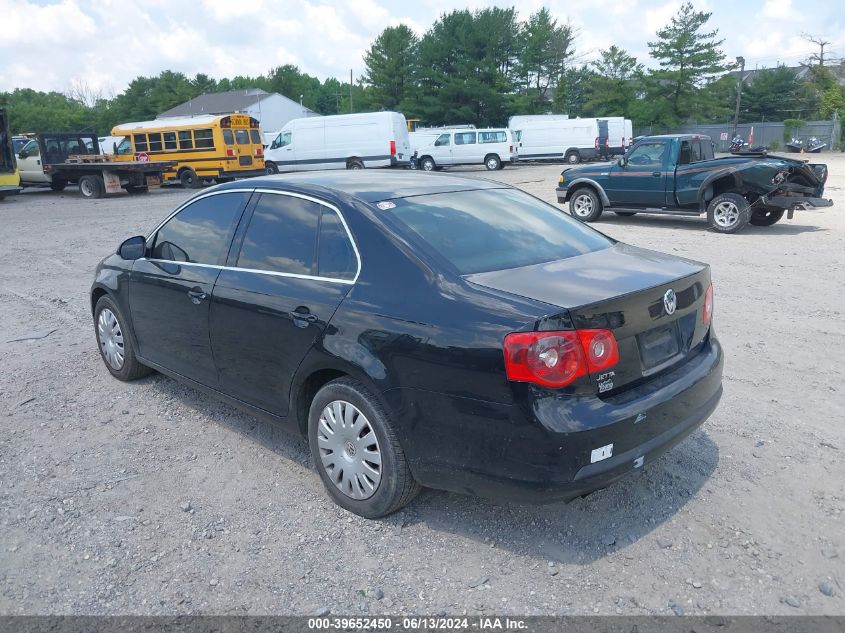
<point>656,174</point>
<point>302,317</point>
<point>197,296</point>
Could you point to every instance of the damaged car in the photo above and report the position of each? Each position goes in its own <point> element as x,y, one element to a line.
<point>678,174</point>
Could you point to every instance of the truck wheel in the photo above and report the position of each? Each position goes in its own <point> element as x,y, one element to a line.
<point>354,163</point>
<point>766,216</point>
<point>728,213</point>
<point>271,168</point>
<point>189,179</point>
<point>625,214</point>
<point>58,185</point>
<point>92,187</point>
<point>585,205</point>
<point>492,162</point>
<point>573,158</point>
<point>428,164</point>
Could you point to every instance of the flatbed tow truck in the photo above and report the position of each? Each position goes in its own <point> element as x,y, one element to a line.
<point>56,160</point>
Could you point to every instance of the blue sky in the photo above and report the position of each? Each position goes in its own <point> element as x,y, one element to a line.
<point>50,44</point>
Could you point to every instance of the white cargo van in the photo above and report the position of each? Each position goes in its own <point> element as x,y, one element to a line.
<point>553,138</point>
<point>494,148</point>
<point>346,141</point>
<point>619,131</point>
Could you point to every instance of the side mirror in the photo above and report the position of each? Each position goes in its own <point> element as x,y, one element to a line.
<point>622,161</point>
<point>22,154</point>
<point>133,248</point>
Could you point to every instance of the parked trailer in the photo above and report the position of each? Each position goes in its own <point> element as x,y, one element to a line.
<point>56,160</point>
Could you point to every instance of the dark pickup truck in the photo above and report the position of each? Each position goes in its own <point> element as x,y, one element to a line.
<point>678,174</point>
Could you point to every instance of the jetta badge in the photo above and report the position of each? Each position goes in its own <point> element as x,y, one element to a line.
<point>670,301</point>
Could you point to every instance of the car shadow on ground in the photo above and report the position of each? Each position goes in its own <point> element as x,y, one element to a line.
<point>785,227</point>
<point>579,532</point>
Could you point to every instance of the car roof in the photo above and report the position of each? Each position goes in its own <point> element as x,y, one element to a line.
<point>684,137</point>
<point>370,185</point>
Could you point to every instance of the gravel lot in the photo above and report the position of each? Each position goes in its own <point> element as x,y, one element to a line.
<point>150,498</point>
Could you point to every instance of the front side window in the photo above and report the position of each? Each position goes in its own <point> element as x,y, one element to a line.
<point>647,154</point>
<point>335,254</point>
<point>287,139</point>
<point>140,141</point>
<point>200,233</point>
<point>242,137</point>
<point>185,139</point>
<point>442,141</point>
<point>155,141</point>
<point>124,147</point>
<point>496,229</point>
<point>31,149</point>
<point>169,140</point>
<point>492,137</point>
<point>204,138</point>
<point>465,138</point>
<point>281,236</point>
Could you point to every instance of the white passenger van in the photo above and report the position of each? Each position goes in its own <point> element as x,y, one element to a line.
<point>346,141</point>
<point>551,137</point>
<point>494,148</point>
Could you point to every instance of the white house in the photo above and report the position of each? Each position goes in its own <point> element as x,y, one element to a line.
<point>271,109</point>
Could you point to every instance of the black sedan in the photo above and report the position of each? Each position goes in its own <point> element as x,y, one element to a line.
<point>420,329</point>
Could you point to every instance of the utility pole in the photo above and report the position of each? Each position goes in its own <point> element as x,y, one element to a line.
<point>741,62</point>
<point>350,91</point>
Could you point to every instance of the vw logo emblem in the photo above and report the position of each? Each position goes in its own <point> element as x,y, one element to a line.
<point>670,301</point>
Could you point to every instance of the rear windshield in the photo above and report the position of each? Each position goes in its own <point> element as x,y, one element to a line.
<point>479,231</point>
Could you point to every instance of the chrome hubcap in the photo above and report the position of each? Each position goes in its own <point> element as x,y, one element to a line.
<point>111,339</point>
<point>349,450</point>
<point>491,164</point>
<point>583,206</point>
<point>428,165</point>
<point>726,214</point>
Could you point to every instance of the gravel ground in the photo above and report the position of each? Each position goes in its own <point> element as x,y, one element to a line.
<point>150,498</point>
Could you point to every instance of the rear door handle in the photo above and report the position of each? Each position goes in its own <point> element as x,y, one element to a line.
<point>197,296</point>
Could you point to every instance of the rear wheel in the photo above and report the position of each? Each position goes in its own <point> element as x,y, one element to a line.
<point>58,185</point>
<point>573,158</point>
<point>189,179</point>
<point>356,450</point>
<point>92,187</point>
<point>585,205</point>
<point>492,162</point>
<point>728,213</point>
<point>115,342</point>
<point>766,216</point>
<point>428,164</point>
<point>354,163</point>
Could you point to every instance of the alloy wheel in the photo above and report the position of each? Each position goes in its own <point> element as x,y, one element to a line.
<point>583,206</point>
<point>726,214</point>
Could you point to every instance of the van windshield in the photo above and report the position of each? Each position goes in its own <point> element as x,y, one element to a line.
<point>485,230</point>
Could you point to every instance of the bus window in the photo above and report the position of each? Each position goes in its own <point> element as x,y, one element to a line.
<point>155,141</point>
<point>228,138</point>
<point>204,138</point>
<point>140,142</point>
<point>169,140</point>
<point>256,137</point>
<point>185,141</point>
<point>242,137</point>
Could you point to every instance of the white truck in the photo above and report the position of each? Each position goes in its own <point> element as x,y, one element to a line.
<point>345,141</point>
<point>551,137</point>
<point>493,147</point>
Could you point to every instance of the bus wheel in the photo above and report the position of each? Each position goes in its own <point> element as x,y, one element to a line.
<point>271,168</point>
<point>189,179</point>
<point>92,187</point>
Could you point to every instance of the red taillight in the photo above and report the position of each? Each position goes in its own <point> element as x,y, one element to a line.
<point>597,142</point>
<point>393,148</point>
<point>510,149</point>
<point>259,151</point>
<point>707,311</point>
<point>230,151</point>
<point>555,359</point>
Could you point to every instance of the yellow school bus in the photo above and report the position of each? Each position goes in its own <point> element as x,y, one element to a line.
<point>10,180</point>
<point>203,147</point>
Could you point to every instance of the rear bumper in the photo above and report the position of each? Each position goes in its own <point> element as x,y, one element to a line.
<point>541,451</point>
<point>794,203</point>
<point>8,190</point>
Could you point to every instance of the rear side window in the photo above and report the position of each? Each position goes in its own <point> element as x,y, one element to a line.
<point>707,150</point>
<point>281,236</point>
<point>498,229</point>
<point>228,138</point>
<point>204,138</point>
<point>335,255</point>
<point>696,151</point>
<point>492,137</point>
<point>465,138</point>
<point>185,140</point>
<point>201,232</point>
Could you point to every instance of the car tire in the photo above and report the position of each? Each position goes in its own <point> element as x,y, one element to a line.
<point>584,205</point>
<point>189,180</point>
<point>58,185</point>
<point>427,164</point>
<point>368,492</point>
<point>728,213</point>
<point>573,158</point>
<point>92,187</point>
<point>271,168</point>
<point>114,340</point>
<point>766,216</point>
<point>625,214</point>
<point>492,162</point>
<point>354,163</point>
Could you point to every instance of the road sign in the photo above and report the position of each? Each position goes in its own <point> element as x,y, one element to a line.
<point>143,157</point>
<point>723,136</point>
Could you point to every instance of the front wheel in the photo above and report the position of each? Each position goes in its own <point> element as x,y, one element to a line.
<point>492,163</point>
<point>92,187</point>
<point>115,343</point>
<point>765,217</point>
<point>428,164</point>
<point>271,168</point>
<point>728,213</point>
<point>356,451</point>
<point>585,205</point>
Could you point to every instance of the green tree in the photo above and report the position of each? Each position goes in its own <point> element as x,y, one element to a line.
<point>615,84</point>
<point>571,90</point>
<point>689,58</point>
<point>548,47</point>
<point>774,95</point>
<point>389,67</point>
